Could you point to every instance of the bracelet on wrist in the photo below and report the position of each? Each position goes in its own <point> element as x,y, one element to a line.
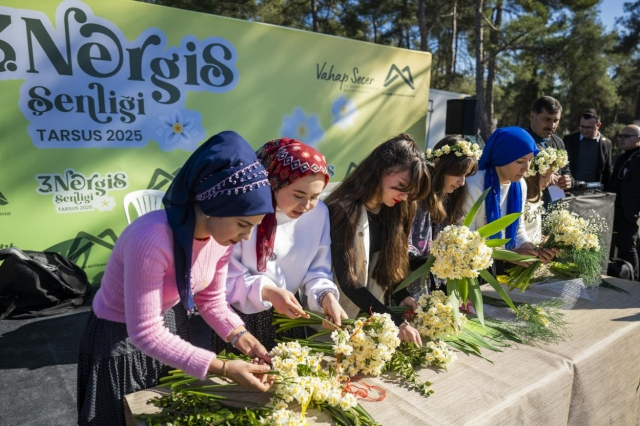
<point>321,297</point>
<point>224,368</point>
<point>237,337</point>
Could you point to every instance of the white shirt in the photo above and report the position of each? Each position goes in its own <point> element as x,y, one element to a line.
<point>302,251</point>
<point>475,188</point>
<point>532,219</point>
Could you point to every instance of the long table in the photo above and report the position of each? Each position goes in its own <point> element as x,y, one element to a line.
<point>592,378</point>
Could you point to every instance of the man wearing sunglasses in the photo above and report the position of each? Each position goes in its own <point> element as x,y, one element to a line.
<point>589,151</point>
<point>625,182</point>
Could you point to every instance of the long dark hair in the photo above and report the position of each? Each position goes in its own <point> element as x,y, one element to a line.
<point>364,184</point>
<point>533,188</point>
<point>448,208</point>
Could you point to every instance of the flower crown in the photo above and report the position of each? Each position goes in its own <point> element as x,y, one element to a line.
<point>459,149</point>
<point>548,158</point>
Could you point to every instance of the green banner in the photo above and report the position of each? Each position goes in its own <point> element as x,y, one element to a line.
<point>102,100</point>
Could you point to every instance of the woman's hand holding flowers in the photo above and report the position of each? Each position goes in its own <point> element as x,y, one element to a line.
<point>283,301</point>
<point>409,334</point>
<point>333,312</point>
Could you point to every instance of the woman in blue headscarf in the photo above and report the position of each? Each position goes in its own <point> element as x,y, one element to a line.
<point>165,263</point>
<point>505,160</point>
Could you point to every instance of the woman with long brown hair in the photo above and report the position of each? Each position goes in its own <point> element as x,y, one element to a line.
<point>371,213</point>
<point>444,204</point>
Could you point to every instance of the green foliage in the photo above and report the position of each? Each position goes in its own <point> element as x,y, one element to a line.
<point>184,408</point>
<point>404,362</point>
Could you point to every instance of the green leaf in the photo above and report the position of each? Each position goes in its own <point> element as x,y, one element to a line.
<point>418,273</point>
<point>497,287</point>
<point>497,242</point>
<point>452,291</point>
<point>498,225</point>
<point>471,215</point>
<point>501,254</point>
<point>475,294</point>
<point>479,340</point>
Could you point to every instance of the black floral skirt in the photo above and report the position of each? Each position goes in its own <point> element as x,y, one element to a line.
<point>109,367</point>
<point>260,325</point>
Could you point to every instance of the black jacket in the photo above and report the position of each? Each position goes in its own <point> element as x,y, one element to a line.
<point>604,169</point>
<point>627,184</point>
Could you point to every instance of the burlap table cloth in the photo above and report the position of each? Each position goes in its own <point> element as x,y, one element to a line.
<point>605,354</point>
<point>592,378</point>
<point>522,386</point>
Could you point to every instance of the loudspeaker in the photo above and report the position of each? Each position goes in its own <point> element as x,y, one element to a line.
<point>461,117</point>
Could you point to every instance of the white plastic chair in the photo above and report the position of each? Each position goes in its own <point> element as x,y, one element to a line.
<point>144,201</point>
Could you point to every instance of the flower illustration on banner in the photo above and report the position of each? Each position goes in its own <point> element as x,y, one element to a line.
<point>344,112</point>
<point>305,128</point>
<point>179,131</point>
<point>104,203</point>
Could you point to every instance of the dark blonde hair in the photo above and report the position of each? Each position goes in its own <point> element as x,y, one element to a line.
<point>443,207</point>
<point>364,184</point>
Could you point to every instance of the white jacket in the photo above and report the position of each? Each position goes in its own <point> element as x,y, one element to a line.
<point>301,261</point>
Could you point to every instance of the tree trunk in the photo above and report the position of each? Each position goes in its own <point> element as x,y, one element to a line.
<point>424,36</point>
<point>479,48</point>
<point>491,67</point>
<point>314,15</point>
<point>454,41</point>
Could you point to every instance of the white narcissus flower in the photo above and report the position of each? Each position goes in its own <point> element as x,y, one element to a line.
<point>459,253</point>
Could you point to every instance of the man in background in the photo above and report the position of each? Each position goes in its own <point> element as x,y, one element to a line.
<point>589,151</point>
<point>625,183</point>
<point>545,117</point>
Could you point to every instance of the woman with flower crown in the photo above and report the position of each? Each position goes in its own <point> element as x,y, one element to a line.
<point>371,213</point>
<point>290,252</point>
<point>505,160</point>
<point>538,178</point>
<point>451,161</point>
<point>164,264</point>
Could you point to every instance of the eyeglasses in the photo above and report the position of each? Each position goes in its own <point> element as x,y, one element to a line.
<point>625,136</point>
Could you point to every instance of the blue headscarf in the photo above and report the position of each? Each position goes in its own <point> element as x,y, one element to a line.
<point>226,179</point>
<point>504,146</point>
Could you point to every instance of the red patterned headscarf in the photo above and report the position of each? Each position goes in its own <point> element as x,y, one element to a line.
<point>285,161</point>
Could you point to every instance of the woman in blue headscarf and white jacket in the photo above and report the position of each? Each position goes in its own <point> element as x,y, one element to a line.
<point>505,159</point>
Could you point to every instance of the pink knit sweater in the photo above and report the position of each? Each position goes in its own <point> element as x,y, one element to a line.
<point>139,285</point>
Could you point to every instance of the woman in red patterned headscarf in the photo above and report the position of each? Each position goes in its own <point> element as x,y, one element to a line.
<point>290,254</point>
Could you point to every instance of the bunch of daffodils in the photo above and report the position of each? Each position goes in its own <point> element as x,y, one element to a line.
<point>459,149</point>
<point>439,354</point>
<point>570,230</point>
<point>303,379</point>
<point>548,159</point>
<point>366,346</point>
<point>282,416</point>
<point>460,253</point>
<point>579,240</point>
<point>435,316</point>
<point>532,313</point>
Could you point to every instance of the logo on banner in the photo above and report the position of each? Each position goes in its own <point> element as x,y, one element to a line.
<point>395,73</point>
<point>4,202</point>
<point>87,86</point>
<point>161,178</point>
<point>354,77</point>
<point>73,192</point>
